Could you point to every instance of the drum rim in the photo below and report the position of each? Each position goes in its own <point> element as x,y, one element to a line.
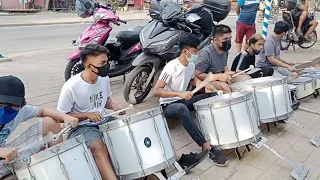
<point>136,117</point>
<point>312,79</point>
<point>236,144</point>
<point>51,152</point>
<point>150,170</point>
<point>245,95</point>
<point>313,75</point>
<point>258,85</point>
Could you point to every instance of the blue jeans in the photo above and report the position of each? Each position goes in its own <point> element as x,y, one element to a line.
<point>181,110</point>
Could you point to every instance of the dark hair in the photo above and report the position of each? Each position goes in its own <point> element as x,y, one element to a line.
<point>191,41</point>
<point>220,30</point>
<point>92,50</point>
<point>281,27</point>
<point>255,38</point>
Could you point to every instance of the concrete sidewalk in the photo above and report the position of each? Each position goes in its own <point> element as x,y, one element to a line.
<point>47,18</point>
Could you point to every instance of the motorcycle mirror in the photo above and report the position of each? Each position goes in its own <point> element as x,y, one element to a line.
<point>193,17</point>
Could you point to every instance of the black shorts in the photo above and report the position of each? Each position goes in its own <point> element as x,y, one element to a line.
<point>296,13</point>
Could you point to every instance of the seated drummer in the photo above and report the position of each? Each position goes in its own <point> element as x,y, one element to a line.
<point>177,102</point>
<point>85,96</point>
<point>270,55</point>
<point>14,111</point>
<point>214,57</point>
<point>255,47</point>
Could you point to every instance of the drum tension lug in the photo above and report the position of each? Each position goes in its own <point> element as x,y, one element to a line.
<point>274,123</point>
<point>268,127</point>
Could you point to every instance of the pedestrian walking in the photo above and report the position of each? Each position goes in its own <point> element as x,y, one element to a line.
<point>247,11</point>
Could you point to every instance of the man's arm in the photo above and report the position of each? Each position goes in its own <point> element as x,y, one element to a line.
<point>238,6</point>
<point>60,117</point>
<point>303,7</point>
<point>203,63</point>
<point>277,62</point>
<point>159,90</point>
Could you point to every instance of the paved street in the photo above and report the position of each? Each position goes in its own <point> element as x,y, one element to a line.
<point>47,37</point>
<point>41,67</point>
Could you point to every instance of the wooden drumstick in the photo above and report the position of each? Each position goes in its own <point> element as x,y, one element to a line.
<point>251,67</point>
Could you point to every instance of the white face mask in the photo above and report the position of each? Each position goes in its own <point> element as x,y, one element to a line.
<point>193,57</point>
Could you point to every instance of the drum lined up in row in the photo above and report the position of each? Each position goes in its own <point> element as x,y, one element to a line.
<point>141,144</point>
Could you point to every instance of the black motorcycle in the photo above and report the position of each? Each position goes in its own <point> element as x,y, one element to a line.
<point>292,38</point>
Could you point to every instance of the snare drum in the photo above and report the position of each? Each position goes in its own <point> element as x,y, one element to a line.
<point>229,120</point>
<point>316,76</point>
<point>70,160</point>
<point>305,85</point>
<point>139,145</point>
<point>271,95</point>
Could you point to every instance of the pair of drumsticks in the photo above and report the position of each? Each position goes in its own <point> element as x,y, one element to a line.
<point>208,80</point>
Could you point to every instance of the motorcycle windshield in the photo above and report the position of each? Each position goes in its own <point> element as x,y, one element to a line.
<point>170,10</point>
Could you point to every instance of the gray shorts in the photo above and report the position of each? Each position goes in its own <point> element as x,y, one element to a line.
<point>90,133</point>
<point>283,72</point>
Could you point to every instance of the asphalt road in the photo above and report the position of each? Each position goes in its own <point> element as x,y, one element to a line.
<point>17,40</point>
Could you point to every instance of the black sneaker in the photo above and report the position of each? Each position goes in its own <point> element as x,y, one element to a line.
<point>189,161</point>
<point>217,157</point>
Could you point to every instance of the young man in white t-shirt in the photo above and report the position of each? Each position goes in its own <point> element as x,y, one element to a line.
<point>177,102</point>
<point>85,96</point>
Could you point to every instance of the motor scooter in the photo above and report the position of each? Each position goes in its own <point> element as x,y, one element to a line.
<point>122,51</point>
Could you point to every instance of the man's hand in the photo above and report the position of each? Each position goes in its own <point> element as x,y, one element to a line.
<point>94,116</point>
<point>224,77</point>
<point>71,120</point>
<point>292,69</point>
<point>292,64</point>
<point>186,95</point>
<point>117,107</point>
<point>8,153</point>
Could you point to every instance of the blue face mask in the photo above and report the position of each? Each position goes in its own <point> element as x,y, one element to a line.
<point>256,52</point>
<point>7,114</point>
<point>193,58</point>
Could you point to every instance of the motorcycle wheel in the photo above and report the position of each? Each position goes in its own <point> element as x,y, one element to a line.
<point>134,91</point>
<point>73,67</point>
<point>306,45</point>
<point>285,42</point>
<point>122,3</point>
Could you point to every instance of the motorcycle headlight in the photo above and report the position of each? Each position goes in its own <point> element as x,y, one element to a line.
<point>99,16</point>
<point>161,45</point>
<point>93,41</point>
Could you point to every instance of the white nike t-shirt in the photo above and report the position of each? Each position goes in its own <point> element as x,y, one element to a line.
<point>78,96</point>
<point>177,76</point>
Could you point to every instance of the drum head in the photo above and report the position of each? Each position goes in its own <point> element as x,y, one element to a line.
<point>257,82</point>
<point>311,70</point>
<point>223,100</point>
<point>302,80</point>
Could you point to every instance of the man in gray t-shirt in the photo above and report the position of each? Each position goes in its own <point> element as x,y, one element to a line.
<point>213,58</point>
<point>13,111</point>
<point>270,56</point>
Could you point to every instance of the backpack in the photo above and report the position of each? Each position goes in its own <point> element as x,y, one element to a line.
<point>84,8</point>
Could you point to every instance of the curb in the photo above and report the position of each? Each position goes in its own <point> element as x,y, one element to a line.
<point>53,23</point>
<point>5,59</point>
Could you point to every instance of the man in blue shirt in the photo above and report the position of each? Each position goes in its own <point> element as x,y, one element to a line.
<point>247,11</point>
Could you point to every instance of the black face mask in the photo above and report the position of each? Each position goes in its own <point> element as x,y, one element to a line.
<point>226,46</point>
<point>103,71</point>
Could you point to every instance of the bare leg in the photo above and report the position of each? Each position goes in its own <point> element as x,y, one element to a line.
<point>101,157</point>
<point>49,124</point>
<point>224,87</point>
<point>302,17</point>
<point>242,77</point>
<point>313,24</point>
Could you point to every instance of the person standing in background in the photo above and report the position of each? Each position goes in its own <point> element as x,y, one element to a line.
<point>247,11</point>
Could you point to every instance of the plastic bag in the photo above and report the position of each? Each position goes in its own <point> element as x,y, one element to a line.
<point>84,8</point>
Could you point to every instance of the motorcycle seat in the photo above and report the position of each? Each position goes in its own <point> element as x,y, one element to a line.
<point>131,34</point>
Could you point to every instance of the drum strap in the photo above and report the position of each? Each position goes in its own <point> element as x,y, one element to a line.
<point>2,126</point>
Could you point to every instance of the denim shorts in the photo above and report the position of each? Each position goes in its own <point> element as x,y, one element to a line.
<point>283,72</point>
<point>90,133</point>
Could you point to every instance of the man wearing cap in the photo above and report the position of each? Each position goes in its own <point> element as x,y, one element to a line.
<point>13,111</point>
